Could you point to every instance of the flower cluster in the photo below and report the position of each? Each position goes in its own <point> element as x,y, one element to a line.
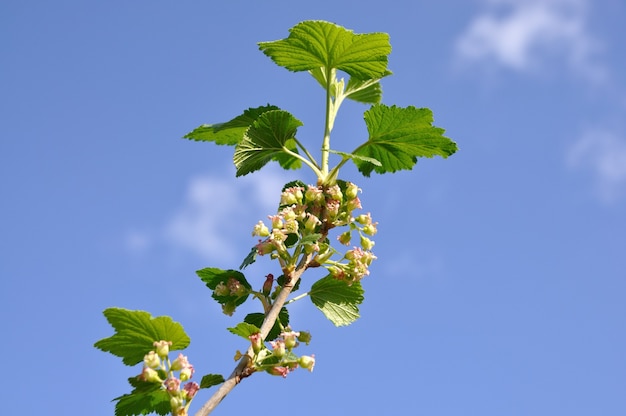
<point>157,368</point>
<point>311,211</point>
<point>280,360</point>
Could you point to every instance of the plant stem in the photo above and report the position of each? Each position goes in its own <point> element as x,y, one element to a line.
<point>328,121</point>
<point>303,295</point>
<point>239,372</point>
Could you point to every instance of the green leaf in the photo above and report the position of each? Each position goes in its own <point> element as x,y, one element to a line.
<point>231,132</point>
<point>135,333</point>
<point>212,277</point>
<point>365,91</point>
<point>313,44</point>
<point>267,139</point>
<point>250,258</point>
<point>244,329</point>
<point>144,399</point>
<point>398,136</point>
<point>257,318</point>
<point>337,300</point>
<point>211,380</point>
<point>359,157</point>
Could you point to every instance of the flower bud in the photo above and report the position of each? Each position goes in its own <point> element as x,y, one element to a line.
<point>290,339</point>
<point>334,192</point>
<point>267,285</point>
<point>221,290</point>
<point>257,342</point>
<point>229,308</point>
<point>364,219</point>
<point>370,229</point>
<point>151,360</point>
<point>278,348</point>
<point>344,238</point>
<point>261,230</point>
<point>186,373</point>
<point>304,336</point>
<point>265,247</point>
<point>307,362</point>
<point>162,348</point>
<point>311,222</point>
<point>279,371</point>
<point>190,389</point>
<point>314,194</point>
<point>366,243</point>
<point>176,402</point>
<point>277,221</point>
<point>172,384</point>
<point>150,375</point>
<point>236,288</point>
<point>180,362</point>
<point>353,204</point>
<point>351,190</point>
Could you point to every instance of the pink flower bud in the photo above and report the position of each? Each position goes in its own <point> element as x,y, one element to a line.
<point>353,204</point>
<point>257,342</point>
<point>172,384</point>
<point>236,288</point>
<point>334,192</point>
<point>291,196</point>
<point>265,247</point>
<point>314,195</point>
<point>279,371</point>
<point>180,362</point>
<point>191,389</point>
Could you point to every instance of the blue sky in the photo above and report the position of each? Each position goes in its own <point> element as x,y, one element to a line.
<point>500,283</point>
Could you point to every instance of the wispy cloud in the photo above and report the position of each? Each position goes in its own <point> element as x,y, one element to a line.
<point>214,213</point>
<point>529,35</point>
<point>603,153</point>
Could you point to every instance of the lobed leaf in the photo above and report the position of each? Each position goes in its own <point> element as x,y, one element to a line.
<point>231,132</point>
<point>337,300</point>
<point>314,44</point>
<point>213,276</point>
<point>244,329</point>
<point>398,136</point>
<point>211,380</point>
<point>144,399</point>
<point>257,318</point>
<point>266,139</point>
<point>135,333</point>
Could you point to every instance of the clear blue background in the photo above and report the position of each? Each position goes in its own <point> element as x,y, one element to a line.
<point>501,278</point>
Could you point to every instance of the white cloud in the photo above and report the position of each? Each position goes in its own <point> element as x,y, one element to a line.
<point>217,211</point>
<point>528,35</point>
<point>604,154</point>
